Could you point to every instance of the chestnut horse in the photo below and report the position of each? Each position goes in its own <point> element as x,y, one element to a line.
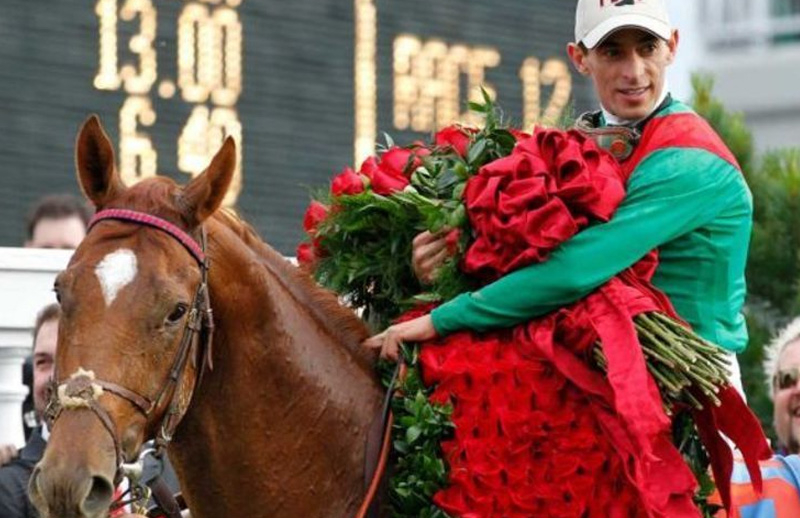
<point>278,422</point>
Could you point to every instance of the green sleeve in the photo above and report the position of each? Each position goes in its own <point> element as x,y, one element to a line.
<point>672,192</point>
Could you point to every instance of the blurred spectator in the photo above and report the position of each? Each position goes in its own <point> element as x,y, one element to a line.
<point>57,221</point>
<point>7,452</point>
<point>54,221</point>
<point>781,474</point>
<point>29,419</point>
<point>14,502</point>
<point>782,368</point>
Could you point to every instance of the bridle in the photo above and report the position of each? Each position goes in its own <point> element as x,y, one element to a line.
<point>82,389</point>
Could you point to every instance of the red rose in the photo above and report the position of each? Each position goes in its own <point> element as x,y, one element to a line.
<point>519,135</point>
<point>420,148</point>
<point>386,182</point>
<point>347,182</point>
<point>315,214</point>
<point>368,167</point>
<point>399,161</point>
<point>305,254</point>
<point>454,137</point>
<point>451,240</point>
<point>391,173</point>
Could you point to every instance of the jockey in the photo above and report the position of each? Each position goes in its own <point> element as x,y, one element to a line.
<point>685,197</point>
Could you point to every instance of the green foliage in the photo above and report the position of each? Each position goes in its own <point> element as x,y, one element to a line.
<point>419,428</point>
<point>751,362</point>
<point>371,236</point>
<point>773,268</point>
<point>730,126</point>
<point>687,439</point>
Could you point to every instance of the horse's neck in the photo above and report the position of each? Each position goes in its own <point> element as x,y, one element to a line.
<point>279,426</point>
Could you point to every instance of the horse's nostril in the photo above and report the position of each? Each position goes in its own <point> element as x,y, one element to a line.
<point>99,497</point>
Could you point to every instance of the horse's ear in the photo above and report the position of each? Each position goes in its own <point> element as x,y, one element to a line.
<point>203,195</point>
<point>94,161</point>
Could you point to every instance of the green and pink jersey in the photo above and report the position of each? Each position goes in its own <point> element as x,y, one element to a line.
<point>685,197</point>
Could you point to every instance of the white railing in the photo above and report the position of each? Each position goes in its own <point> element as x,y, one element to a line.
<point>748,23</point>
<point>26,286</point>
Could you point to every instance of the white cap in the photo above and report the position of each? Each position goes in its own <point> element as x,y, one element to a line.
<point>596,19</point>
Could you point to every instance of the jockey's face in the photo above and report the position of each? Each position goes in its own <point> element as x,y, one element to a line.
<point>628,70</point>
<point>786,393</point>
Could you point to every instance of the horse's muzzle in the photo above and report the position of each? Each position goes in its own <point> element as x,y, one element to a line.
<point>60,494</point>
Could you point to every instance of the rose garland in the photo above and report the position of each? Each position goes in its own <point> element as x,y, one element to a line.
<point>514,185</point>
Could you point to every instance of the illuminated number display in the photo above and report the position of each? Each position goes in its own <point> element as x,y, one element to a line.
<point>209,78</point>
<point>305,88</point>
<point>434,76</point>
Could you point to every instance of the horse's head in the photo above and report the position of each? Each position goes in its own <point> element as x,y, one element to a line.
<point>127,357</point>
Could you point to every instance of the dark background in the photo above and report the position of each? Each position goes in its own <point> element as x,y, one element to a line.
<point>296,108</point>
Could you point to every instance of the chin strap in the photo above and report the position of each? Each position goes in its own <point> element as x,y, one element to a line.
<point>620,141</point>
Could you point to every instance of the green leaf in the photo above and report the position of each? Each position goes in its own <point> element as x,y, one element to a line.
<point>476,151</point>
<point>446,180</point>
<point>486,98</point>
<point>458,217</point>
<point>505,141</point>
<point>461,170</point>
<point>458,191</point>
<point>413,433</point>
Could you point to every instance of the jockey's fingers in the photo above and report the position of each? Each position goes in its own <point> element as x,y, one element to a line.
<point>437,259</point>
<point>434,246</point>
<point>421,254</point>
<point>427,237</point>
<point>421,239</point>
<point>376,341</point>
<point>390,349</point>
<point>428,268</point>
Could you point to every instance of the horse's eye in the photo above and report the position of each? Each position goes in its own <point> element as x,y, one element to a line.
<point>177,313</point>
<point>57,292</point>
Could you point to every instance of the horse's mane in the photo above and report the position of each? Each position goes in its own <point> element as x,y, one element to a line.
<point>157,196</point>
<point>323,305</point>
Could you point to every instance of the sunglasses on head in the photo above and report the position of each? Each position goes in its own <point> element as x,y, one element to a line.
<point>786,378</point>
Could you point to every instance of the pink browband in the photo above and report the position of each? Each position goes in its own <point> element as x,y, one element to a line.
<point>146,219</point>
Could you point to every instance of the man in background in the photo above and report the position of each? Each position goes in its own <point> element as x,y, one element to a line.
<point>782,368</point>
<point>781,474</point>
<point>57,221</point>
<point>14,502</point>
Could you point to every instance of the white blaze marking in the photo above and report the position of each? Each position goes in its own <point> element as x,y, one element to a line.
<point>114,272</point>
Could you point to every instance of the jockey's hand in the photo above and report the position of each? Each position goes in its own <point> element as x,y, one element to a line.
<point>7,452</point>
<point>388,342</point>
<point>428,252</point>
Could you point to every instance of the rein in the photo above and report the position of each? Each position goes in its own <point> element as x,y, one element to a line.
<point>82,389</point>
<point>386,443</point>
